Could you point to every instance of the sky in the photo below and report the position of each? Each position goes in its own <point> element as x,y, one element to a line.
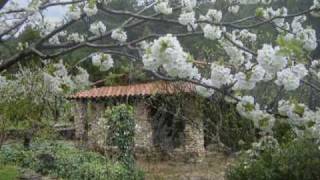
<point>57,12</point>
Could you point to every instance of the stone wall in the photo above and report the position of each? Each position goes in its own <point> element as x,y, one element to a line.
<point>80,113</point>
<point>97,108</point>
<point>143,129</point>
<point>194,138</point>
<point>193,131</point>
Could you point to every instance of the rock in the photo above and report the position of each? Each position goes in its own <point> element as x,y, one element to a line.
<point>30,175</point>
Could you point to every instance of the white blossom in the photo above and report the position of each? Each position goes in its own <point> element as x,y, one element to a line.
<point>203,91</point>
<point>102,60</point>
<point>245,34</point>
<point>188,5</point>
<point>270,59</point>
<point>269,13</point>
<point>82,78</point>
<point>213,15</point>
<point>107,63</point>
<point>249,1</point>
<point>33,6</point>
<point>90,9</point>
<point>76,37</point>
<point>163,7</point>
<point>212,32</point>
<point>74,13</point>
<point>316,5</point>
<point>234,9</point>
<point>168,53</point>
<point>251,110</point>
<point>300,71</point>
<point>237,56</point>
<point>187,18</point>
<point>98,28</point>
<point>288,79</point>
<point>248,81</point>
<point>266,1</point>
<point>119,35</point>
<point>309,39</point>
<point>220,75</point>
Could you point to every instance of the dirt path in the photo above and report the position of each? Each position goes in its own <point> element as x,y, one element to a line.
<point>212,167</point>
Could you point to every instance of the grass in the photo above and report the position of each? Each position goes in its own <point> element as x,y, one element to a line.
<point>212,166</point>
<point>9,172</point>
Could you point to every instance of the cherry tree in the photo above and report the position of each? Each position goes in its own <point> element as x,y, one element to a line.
<point>286,61</point>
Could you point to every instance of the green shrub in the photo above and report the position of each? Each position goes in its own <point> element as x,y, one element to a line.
<point>224,122</point>
<point>65,161</point>
<point>120,128</point>
<point>299,159</point>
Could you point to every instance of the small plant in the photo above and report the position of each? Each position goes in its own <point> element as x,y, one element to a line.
<point>299,159</point>
<point>119,123</point>
<point>63,160</point>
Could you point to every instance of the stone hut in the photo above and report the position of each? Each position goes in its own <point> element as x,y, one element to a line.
<point>150,134</point>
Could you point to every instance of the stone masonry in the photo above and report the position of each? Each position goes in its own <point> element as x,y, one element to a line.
<point>80,112</point>
<point>143,129</point>
<point>86,124</point>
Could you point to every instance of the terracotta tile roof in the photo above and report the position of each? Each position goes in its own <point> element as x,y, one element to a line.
<point>145,89</point>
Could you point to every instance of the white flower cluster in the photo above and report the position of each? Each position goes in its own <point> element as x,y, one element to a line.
<point>56,38</point>
<point>102,60</point>
<point>251,110</point>
<point>265,143</point>
<point>119,35</point>
<point>220,75</point>
<point>98,28</point>
<point>270,59</point>
<point>60,79</point>
<point>237,56</point>
<point>163,7</point>
<point>22,46</point>
<point>76,37</point>
<point>249,1</point>
<point>246,35</point>
<point>82,78</point>
<point>290,77</point>
<point>187,18</point>
<point>74,13</point>
<point>255,1</point>
<point>316,5</point>
<point>203,91</point>
<point>306,35</point>
<point>247,81</point>
<point>90,9</point>
<point>315,68</point>
<point>3,27</point>
<point>168,53</point>
<point>234,9</point>
<point>33,6</point>
<point>212,15</point>
<point>271,13</point>
<point>188,5</point>
<point>212,32</point>
<point>301,118</point>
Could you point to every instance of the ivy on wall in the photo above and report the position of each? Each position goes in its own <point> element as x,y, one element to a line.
<point>119,131</point>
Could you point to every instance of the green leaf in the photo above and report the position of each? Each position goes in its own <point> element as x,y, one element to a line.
<point>259,12</point>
